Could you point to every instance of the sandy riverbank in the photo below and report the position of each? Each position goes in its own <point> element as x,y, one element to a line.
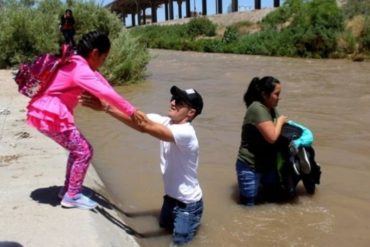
<point>31,172</point>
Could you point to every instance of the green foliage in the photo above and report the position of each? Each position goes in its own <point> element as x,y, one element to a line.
<point>284,14</point>
<point>317,28</point>
<point>21,37</point>
<point>126,61</point>
<point>350,43</point>
<point>366,35</point>
<point>310,28</point>
<point>29,28</point>
<point>155,36</point>
<point>356,7</point>
<point>305,28</point>
<point>89,16</point>
<point>230,35</point>
<point>201,26</point>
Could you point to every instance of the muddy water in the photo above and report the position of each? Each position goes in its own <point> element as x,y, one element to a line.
<point>331,97</point>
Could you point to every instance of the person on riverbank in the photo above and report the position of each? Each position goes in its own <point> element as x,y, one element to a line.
<point>179,157</point>
<point>67,28</point>
<point>52,112</point>
<point>256,164</point>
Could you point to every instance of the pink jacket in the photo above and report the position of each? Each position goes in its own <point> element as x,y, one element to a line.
<point>53,110</point>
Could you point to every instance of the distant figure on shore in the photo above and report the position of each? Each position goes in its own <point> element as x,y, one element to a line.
<point>256,163</point>
<point>67,28</point>
<point>182,207</point>
<point>52,112</point>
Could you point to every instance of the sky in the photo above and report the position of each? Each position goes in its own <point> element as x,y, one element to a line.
<point>244,5</point>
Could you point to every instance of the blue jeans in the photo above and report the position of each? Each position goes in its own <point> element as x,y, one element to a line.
<point>250,181</point>
<point>182,219</point>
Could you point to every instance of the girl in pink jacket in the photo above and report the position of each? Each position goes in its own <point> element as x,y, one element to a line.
<point>52,111</point>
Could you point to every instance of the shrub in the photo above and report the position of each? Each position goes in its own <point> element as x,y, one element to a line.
<point>29,28</point>
<point>21,37</point>
<point>230,35</point>
<point>126,61</point>
<point>200,26</point>
<point>312,30</point>
<point>366,35</point>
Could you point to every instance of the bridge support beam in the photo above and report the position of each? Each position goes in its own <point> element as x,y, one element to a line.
<point>257,4</point>
<point>234,5</point>
<point>187,5</point>
<point>204,7</point>
<point>179,3</point>
<point>171,9</point>
<point>219,6</point>
<point>166,10</point>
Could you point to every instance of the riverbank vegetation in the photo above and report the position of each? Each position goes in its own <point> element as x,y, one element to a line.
<point>29,28</point>
<point>299,28</point>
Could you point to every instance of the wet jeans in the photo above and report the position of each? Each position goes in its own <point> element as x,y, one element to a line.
<point>250,181</point>
<point>183,219</point>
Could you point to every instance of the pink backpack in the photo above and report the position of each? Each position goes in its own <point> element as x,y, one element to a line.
<point>34,77</point>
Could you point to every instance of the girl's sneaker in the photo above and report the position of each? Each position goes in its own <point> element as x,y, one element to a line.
<point>85,191</point>
<point>78,201</point>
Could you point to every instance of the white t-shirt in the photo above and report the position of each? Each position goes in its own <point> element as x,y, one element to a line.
<point>179,161</point>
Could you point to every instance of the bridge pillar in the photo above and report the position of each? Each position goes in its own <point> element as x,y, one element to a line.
<point>204,7</point>
<point>166,10</point>
<point>234,5</point>
<point>154,12</point>
<point>139,22</point>
<point>187,4</point>
<point>276,3</point>
<point>171,9</point>
<point>144,16</point>
<point>219,6</point>
<point>257,4</point>
<point>179,3</point>
<point>133,22</point>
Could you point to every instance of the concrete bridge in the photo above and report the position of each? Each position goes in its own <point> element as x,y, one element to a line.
<point>137,8</point>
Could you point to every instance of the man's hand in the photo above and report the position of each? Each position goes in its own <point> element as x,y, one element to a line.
<point>89,100</point>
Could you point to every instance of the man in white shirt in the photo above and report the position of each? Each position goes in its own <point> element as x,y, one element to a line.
<point>179,156</point>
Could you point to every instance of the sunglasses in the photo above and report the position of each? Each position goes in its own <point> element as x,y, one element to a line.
<point>179,101</point>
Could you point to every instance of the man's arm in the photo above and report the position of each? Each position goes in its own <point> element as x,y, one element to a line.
<point>143,124</point>
<point>138,121</point>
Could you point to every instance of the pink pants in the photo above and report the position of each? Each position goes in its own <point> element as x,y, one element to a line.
<point>79,158</point>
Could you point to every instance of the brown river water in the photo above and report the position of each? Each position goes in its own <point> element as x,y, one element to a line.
<point>331,97</point>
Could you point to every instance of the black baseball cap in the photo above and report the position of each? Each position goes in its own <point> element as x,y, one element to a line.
<point>189,96</point>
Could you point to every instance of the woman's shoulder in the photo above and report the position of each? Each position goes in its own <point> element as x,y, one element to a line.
<point>257,106</point>
<point>257,112</point>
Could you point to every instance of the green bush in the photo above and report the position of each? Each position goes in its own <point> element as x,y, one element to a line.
<point>21,36</point>
<point>311,28</point>
<point>126,61</point>
<point>200,26</point>
<point>156,36</point>
<point>230,35</point>
<point>366,35</point>
<point>30,28</point>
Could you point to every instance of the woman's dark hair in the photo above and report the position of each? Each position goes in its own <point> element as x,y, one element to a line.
<point>259,87</point>
<point>93,40</point>
<point>68,11</point>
